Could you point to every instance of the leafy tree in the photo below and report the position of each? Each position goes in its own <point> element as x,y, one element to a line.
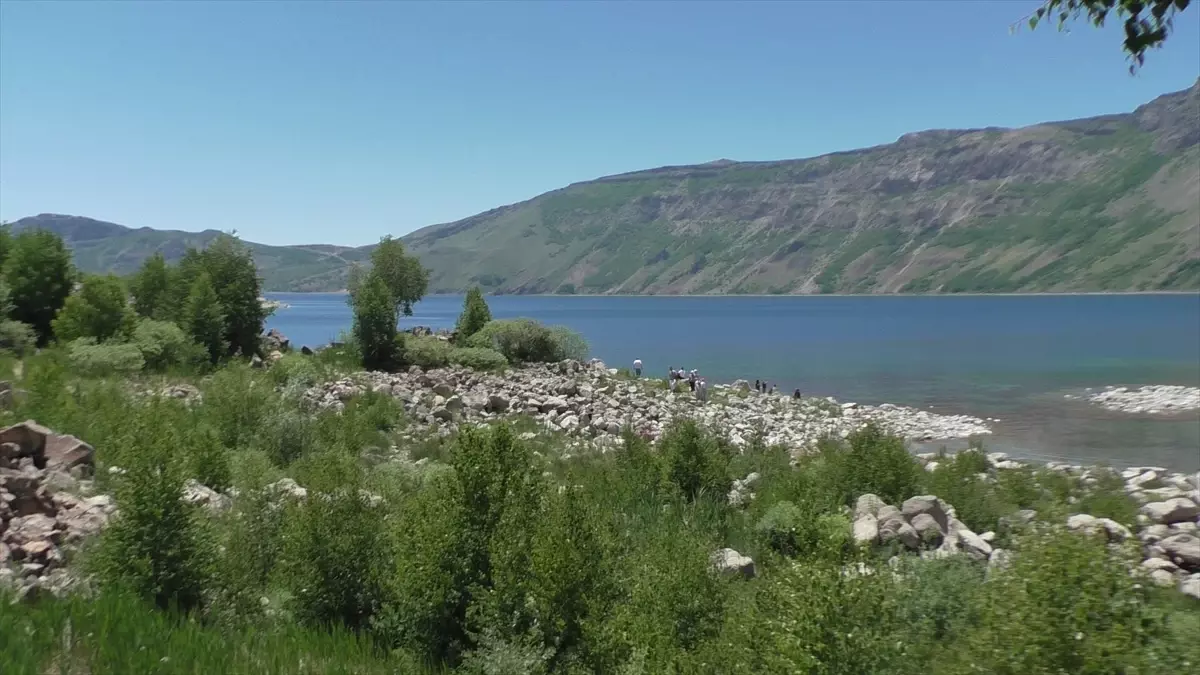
<point>5,242</point>
<point>375,322</point>
<point>475,314</point>
<point>39,275</point>
<point>204,317</point>
<point>151,288</point>
<point>405,278</point>
<point>230,266</point>
<point>15,337</point>
<point>1148,23</point>
<point>98,310</point>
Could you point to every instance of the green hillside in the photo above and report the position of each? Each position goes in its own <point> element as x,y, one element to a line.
<point>1109,203</point>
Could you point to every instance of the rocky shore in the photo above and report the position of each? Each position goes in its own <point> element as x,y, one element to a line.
<point>591,401</point>
<point>1151,399</point>
<point>1165,538</point>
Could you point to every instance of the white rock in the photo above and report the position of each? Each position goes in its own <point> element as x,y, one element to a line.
<point>730,562</point>
<point>1170,511</point>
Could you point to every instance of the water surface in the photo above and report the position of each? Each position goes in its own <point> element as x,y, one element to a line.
<point>1007,357</point>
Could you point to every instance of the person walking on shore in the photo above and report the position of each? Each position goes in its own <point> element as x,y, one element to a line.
<point>637,367</point>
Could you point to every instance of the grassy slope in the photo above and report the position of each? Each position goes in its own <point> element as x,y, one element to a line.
<point>1103,204</point>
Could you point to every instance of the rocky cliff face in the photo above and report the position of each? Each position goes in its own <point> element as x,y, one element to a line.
<point>1106,203</point>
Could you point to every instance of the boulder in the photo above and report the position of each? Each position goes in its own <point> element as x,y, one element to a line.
<point>1184,549</point>
<point>969,542</point>
<point>1191,586</point>
<point>1151,564</point>
<point>866,529</point>
<point>928,529</point>
<point>1162,578</point>
<point>729,562</point>
<point>868,504</point>
<point>1176,510</point>
<point>897,529</point>
<point>496,403</point>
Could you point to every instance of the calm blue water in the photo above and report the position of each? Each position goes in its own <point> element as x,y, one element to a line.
<point>1009,357</point>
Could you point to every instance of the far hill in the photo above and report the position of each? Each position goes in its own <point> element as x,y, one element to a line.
<point>100,246</point>
<point>1109,203</point>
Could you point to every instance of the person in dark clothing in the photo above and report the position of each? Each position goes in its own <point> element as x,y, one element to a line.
<point>757,385</point>
<point>796,395</point>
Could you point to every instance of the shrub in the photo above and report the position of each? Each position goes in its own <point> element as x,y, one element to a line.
<point>156,546</point>
<point>477,358</point>
<point>1065,605</point>
<point>16,337</point>
<point>98,310</point>
<point>795,531</point>
<point>337,551</point>
<point>871,461</point>
<point>696,461</point>
<point>527,341</point>
<point>427,352</point>
<point>89,358</point>
<point>1107,499</point>
<point>475,315</point>
<point>978,502</point>
<point>164,345</point>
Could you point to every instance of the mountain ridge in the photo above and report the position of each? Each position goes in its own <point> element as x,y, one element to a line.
<point>1106,203</point>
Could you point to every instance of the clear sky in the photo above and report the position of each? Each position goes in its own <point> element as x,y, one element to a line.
<point>339,122</point>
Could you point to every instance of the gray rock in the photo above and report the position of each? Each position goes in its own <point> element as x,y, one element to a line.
<point>1184,548</point>
<point>729,562</point>
<point>897,529</point>
<point>1191,586</point>
<point>1162,578</point>
<point>1174,510</point>
<point>868,504</point>
<point>866,529</point>
<point>1151,564</point>
<point>928,529</point>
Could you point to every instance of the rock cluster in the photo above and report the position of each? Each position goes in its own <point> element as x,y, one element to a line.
<point>925,523</point>
<point>590,401</point>
<point>1168,524</point>
<point>40,521</point>
<point>1153,399</point>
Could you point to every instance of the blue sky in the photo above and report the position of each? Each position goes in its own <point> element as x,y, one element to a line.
<point>340,122</point>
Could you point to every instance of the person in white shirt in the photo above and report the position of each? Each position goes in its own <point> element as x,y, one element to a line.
<point>637,367</point>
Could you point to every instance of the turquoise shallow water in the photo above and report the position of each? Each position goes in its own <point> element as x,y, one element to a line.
<point>1007,357</point>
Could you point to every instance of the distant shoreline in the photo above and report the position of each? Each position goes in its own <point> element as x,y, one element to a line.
<point>779,295</point>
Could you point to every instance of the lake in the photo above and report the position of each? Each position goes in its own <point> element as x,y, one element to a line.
<point>1008,357</point>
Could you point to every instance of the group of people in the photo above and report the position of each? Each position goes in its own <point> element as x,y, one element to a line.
<point>699,386</point>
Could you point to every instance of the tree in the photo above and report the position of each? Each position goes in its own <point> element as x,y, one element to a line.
<point>474,316</point>
<point>375,322</point>
<point>40,275</point>
<point>230,267</point>
<point>204,318</point>
<point>1148,23</point>
<point>5,242</point>
<point>151,288</point>
<point>406,280</point>
<point>99,310</point>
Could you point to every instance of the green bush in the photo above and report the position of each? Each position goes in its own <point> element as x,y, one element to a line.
<point>16,337</point>
<point>794,531</point>
<point>870,461</point>
<point>527,341</point>
<point>99,310</point>
<point>1107,499</point>
<point>164,345</point>
<point>156,547</point>
<point>696,461</point>
<point>477,358</point>
<point>1065,605</point>
<point>475,315</point>
<point>89,358</point>
<point>337,551</point>
<point>375,317</point>
<point>427,352</point>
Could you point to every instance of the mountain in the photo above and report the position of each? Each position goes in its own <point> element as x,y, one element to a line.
<point>99,246</point>
<point>1105,203</point>
<point>1108,203</point>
